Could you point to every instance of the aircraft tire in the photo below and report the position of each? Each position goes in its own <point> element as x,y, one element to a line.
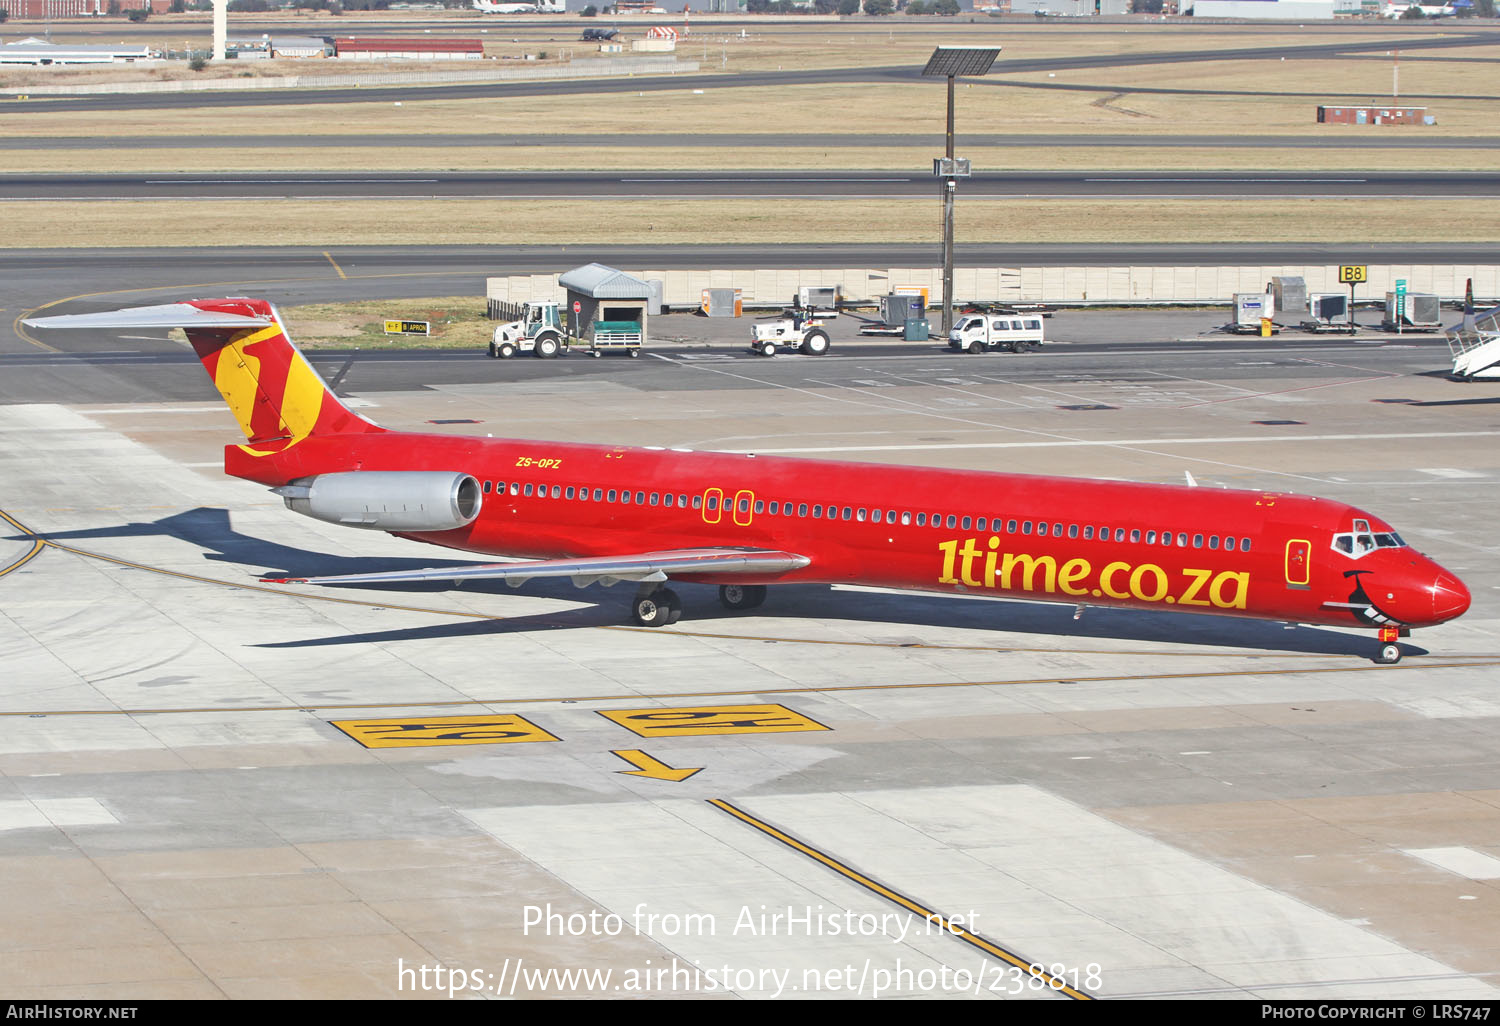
<point>655,609</point>
<point>741,596</point>
<point>815,344</point>
<point>1389,655</point>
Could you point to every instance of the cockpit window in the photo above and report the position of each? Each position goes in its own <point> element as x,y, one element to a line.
<point>1362,540</point>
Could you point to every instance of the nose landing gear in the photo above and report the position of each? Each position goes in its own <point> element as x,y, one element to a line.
<point>1390,652</point>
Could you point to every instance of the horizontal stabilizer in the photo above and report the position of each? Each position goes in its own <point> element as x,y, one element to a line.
<point>169,315</point>
<point>276,396</point>
<point>650,566</point>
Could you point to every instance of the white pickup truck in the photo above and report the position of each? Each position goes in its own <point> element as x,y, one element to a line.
<point>976,332</point>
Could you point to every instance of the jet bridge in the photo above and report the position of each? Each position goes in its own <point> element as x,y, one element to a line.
<point>1475,345</point>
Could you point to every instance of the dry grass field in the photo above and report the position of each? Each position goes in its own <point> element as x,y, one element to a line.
<point>1154,102</point>
<point>328,223</point>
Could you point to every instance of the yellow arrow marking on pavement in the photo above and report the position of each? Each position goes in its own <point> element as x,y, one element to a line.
<point>649,766</point>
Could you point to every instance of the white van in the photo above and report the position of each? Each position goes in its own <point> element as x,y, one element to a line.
<point>975,333</point>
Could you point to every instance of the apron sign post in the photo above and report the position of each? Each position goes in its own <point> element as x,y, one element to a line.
<point>1352,275</point>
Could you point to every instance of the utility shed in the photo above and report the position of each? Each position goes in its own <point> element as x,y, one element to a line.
<point>605,306</point>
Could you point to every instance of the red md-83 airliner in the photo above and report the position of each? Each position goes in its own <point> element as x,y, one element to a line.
<point>610,513</point>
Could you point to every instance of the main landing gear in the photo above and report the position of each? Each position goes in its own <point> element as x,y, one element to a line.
<point>657,607</point>
<point>741,596</point>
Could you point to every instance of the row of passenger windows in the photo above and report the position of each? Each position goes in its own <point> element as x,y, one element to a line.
<point>861,514</point>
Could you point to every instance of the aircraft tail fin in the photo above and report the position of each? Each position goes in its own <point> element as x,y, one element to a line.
<point>273,392</point>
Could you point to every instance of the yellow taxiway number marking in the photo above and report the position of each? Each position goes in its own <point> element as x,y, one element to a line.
<point>650,766</point>
<point>946,924</point>
<point>432,731</point>
<point>727,719</point>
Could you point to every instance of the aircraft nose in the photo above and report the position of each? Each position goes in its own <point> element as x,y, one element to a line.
<point>1449,597</point>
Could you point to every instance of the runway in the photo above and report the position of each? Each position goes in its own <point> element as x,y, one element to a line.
<point>757,184</point>
<point>258,791</point>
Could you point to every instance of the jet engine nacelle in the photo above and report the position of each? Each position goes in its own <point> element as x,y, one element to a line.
<point>387,500</point>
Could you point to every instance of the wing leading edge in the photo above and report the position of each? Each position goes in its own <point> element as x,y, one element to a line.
<point>605,570</point>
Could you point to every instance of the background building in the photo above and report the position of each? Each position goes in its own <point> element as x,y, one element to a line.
<point>1264,10</point>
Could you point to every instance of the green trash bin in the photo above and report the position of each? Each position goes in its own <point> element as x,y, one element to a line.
<point>917,329</point>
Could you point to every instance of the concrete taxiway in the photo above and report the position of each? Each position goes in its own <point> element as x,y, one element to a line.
<point>213,787</point>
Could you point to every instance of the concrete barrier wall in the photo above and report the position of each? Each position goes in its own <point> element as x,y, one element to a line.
<point>1139,284</point>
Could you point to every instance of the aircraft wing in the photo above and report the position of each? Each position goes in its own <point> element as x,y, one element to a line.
<point>605,570</point>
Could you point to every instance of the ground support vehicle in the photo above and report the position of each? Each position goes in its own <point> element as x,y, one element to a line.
<point>978,333</point>
<point>790,331</point>
<point>622,335</point>
<point>538,331</point>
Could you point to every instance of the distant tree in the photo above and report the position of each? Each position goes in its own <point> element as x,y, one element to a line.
<point>848,7</point>
<point>198,63</point>
<point>113,8</point>
<point>1412,13</point>
<point>1484,8</point>
<point>248,6</point>
<point>825,6</point>
<point>876,8</point>
<point>916,7</point>
<point>4,14</point>
<point>1146,6</point>
<point>947,8</point>
<point>590,11</point>
<point>138,15</point>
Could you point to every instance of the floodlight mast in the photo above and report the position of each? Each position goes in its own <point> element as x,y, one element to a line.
<point>951,62</point>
